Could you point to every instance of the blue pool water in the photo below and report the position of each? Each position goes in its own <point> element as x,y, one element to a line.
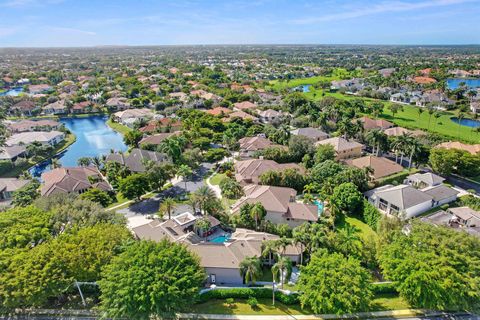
<point>320,206</point>
<point>306,87</point>
<point>94,138</point>
<point>12,92</point>
<point>453,84</point>
<point>467,122</point>
<point>220,239</point>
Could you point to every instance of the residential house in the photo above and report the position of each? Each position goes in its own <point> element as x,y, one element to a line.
<point>162,125</point>
<point>472,148</point>
<point>242,115</point>
<point>250,145</point>
<point>136,160</point>
<point>249,171</point>
<point>180,96</point>
<point>386,72</point>
<point>31,125</point>
<point>398,131</point>
<point>219,111</point>
<point>402,200</point>
<point>441,194</point>
<point>245,105</point>
<point>25,107</point>
<point>370,124</point>
<point>466,216</point>
<point>279,202</point>
<point>57,107</point>
<point>38,88</point>
<point>118,103</point>
<point>72,180</point>
<point>434,98</point>
<point>344,149</point>
<point>424,180</point>
<point>8,186</point>
<point>312,133</point>
<point>25,138</point>
<point>475,106</point>
<point>350,85</point>
<point>130,116</point>
<point>83,107</point>
<point>158,138</point>
<point>12,153</point>
<point>270,116</point>
<point>382,167</point>
<point>458,218</point>
<point>424,80</point>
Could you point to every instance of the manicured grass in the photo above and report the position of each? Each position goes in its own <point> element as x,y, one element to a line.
<point>364,229</point>
<point>409,118</point>
<point>278,85</point>
<point>380,302</point>
<point>240,306</point>
<point>118,127</point>
<point>388,301</point>
<point>217,178</point>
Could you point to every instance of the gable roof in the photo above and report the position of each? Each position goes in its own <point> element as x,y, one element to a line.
<point>382,167</point>
<point>402,196</point>
<point>71,179</point>
<point>254,143</point>
<point>249,171</point>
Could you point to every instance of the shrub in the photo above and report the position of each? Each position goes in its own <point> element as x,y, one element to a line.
<point>245,293</point>
<point>213,155</point>
<point>252,302</point>
<point>230,302</point>
<point>384,287</point>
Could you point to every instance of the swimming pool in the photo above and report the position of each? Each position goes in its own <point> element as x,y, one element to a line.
<point>220,239</point>
<point>319,206</point>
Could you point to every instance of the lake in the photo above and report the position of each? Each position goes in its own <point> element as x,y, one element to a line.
<point>467,122</point>
<point>453,84</point>
<point>94,138</point>
<point>12,92</point>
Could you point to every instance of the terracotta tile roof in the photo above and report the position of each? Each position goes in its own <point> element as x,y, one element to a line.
<point>249,171</point>
<point>72,179</point>
<point>340,144</point>
<point>472,148</point>
<point>369,124</point>
<point>254,143</point>
<point>424,80</point>
<point>382,167</point>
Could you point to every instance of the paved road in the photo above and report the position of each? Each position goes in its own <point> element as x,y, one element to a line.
<point>150,206</point>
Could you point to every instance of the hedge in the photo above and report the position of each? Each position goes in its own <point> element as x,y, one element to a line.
<point>245,293</point>
<point>384,287</point>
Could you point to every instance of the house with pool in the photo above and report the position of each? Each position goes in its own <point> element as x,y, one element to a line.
<point>221,252</point>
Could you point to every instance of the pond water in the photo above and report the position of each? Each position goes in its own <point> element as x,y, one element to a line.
<point>453,84</point>
<point>12,92</point>
<point>306,87</point>
<point>94,138</point>
<point>467,122</point>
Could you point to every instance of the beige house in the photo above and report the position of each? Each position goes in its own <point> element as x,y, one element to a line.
<point>472,148</point>
<point>72,180</point>
<point>249,171</point>
<point>250,145</point>
<point>344,149</point>
<point>279,202</point>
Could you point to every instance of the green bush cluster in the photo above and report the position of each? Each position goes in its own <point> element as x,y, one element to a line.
<point>384,287</point>
<point>246,293</point>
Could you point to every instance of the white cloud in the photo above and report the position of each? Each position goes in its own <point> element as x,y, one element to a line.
<point>383,7</point>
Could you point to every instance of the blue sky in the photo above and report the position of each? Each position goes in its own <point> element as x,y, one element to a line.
<point>40,23</point>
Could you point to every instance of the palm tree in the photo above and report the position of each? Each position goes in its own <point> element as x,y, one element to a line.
<point>84,161</point>
<point>258,212</point>
<point>269,249</point>
<point>415,147</point>
<point>419,111</point>
<point>55,163</point>
<point>460,117</point>
<point>431,111</point>
<point>204,195</point>
<point>301,238</point>
<point>436,115</point>
<point>96,161</point>
<point>167,207</point>
<point>251,269</point>
<point>184,171</point>
<point>283,243</point>
<point>394,108</point>
<point>400,144</point>
<point>282,270</point>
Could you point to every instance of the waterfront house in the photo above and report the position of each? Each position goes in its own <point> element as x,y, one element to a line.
<point>137,159</point>
<point>117,103</point>
<point>12,153</point>
<point>25,108</point>
<point>72,180</point>
<point>8,186</point>
<point>57,107</point>
<point>129,116</point>
<point>475,106</point>
<point>25,138</point>
<point>158,138</point>
<point>34,125</point>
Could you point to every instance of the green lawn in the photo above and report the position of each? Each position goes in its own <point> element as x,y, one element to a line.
<point>241,307</point>
<point>409,118</point>
<point>118,127</point>
<point>217,178</point>
<point>380,302</point>
<point>364,229</point>
<point>278,85</point>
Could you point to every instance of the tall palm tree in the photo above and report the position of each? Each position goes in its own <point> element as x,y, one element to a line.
<point>251,269</point>
<point>283,243</point>
<point>301,238</point>
<point>258,213</point>
<point>269,250</point>
<point>167,207</point>
<point>204,195</point>
<point>184,171</point>
<point>55,163</point>
<point>460,117</point>
<point>431,111</point>
<point>415,147</point>
<point>377,139</point>
<point>436,115</point>
<point>282,270</point>
<point>419,112</point>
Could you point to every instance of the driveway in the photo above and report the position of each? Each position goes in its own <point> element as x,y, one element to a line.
<point>150,206</point>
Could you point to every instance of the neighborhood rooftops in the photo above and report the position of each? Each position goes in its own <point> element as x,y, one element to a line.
<point>135,160</point>
<point>382,167</point>
<point>72,180</point>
